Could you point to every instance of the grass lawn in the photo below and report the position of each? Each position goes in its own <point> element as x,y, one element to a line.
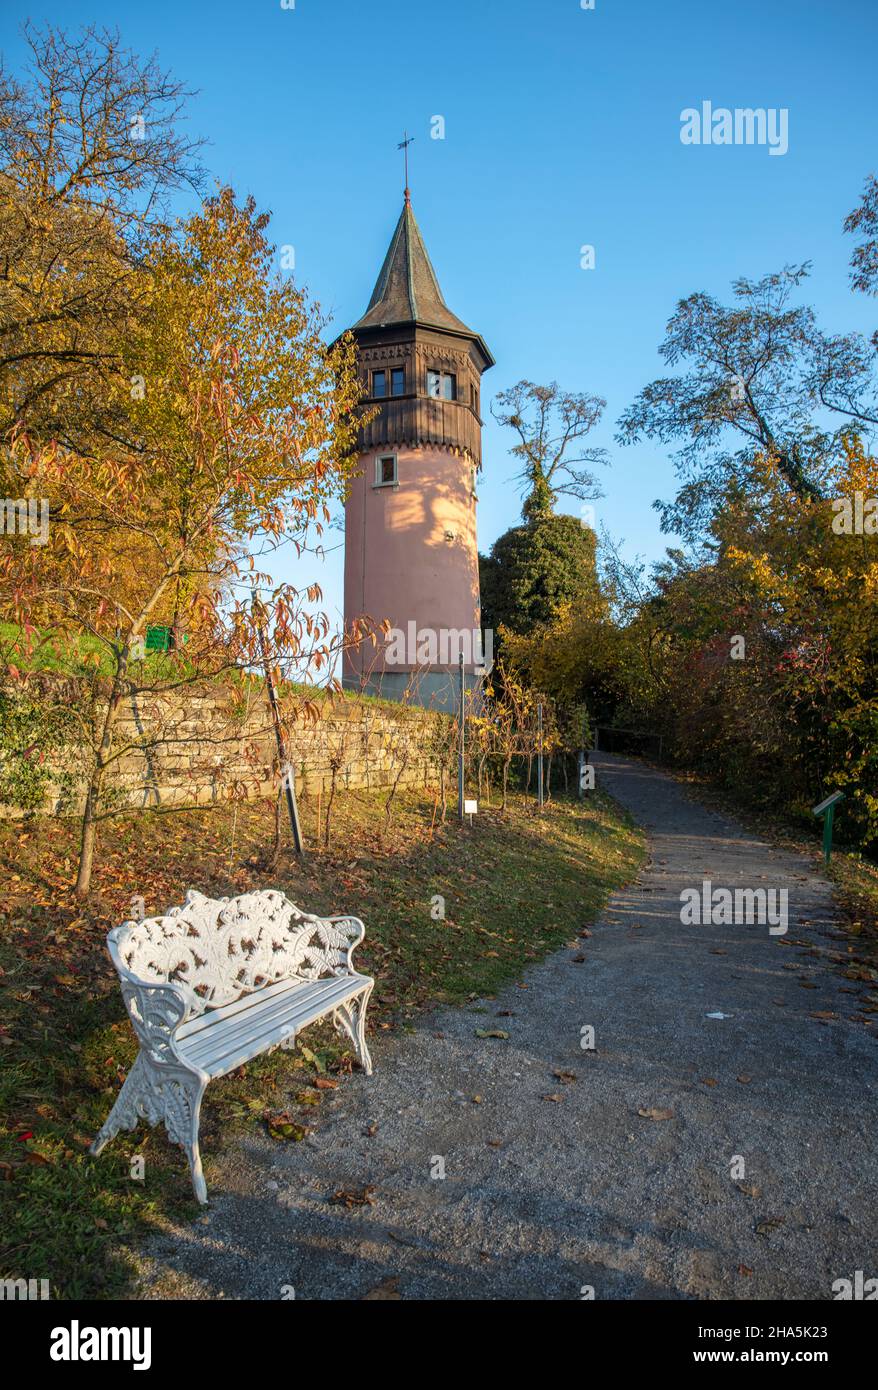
<point>856,882</point>
<point>85,656</point>
<point>516,886</point>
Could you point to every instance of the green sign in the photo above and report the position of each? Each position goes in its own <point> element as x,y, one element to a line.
<point>826,809</point>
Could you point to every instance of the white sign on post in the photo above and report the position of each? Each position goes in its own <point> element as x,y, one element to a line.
<point>470,808</point>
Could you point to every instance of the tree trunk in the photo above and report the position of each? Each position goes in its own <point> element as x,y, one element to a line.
<point>388,805</point>
<point>96,782</point>
<point>87,840</point>
<point>275,849</point>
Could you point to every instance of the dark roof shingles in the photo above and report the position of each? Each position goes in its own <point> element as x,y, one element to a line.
<point>407,290</point>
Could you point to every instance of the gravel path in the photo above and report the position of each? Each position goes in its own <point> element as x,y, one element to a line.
<point>545,1198</point>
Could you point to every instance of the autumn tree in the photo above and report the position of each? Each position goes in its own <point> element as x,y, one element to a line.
<point>757,657</point>
<point>863,222</point>
<point>744,383</point>
<point>91,148</point>
<point>573,658</point>
<point>243,434</point>
<point>551,425</point>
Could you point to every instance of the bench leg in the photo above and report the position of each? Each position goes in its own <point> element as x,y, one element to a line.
<point>193,1153</point>
<point>126,1112</point>
<point>181,1096</point>
<point>351,1020</point>
<point>170,1094</point>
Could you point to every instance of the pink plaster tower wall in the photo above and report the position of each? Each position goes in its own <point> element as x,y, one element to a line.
<point>411,553</point>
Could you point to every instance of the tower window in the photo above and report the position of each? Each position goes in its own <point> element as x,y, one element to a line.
<point>379,383</point>
<point>442,386</point>
<point>397,381</point>
<point>385,470</point>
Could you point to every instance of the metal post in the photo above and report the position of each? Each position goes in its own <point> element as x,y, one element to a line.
<point>540,757</point>
<point>826,809</point>
<point>462,741</point>
<point>827,834</point>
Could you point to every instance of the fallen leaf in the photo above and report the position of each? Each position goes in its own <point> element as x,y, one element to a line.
<point>282,1128</point>
<point>768,1224</point>
<point>491,1033</point>
<point>353,1197</point>
<point>653,1113</point>
<point>564,1075</point>
<point>386,1290</point>
<point>310,1057</point>
<point>557,1098</point>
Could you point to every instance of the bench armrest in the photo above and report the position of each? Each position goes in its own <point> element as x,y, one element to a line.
<point>353,930</point>
<point>156,1012</point>
<point>156,1008</point>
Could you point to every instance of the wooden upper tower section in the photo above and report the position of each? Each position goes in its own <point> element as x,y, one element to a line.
<point>418,361</point>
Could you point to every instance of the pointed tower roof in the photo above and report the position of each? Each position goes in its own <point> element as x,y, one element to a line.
<point>407,290</point>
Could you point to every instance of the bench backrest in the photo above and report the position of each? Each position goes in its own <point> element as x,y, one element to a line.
<point>222,948</point>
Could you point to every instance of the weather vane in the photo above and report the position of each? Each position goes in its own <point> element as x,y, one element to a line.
<point>404,145</point>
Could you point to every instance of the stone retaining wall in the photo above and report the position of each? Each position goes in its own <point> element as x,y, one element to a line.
<point>204,745</point>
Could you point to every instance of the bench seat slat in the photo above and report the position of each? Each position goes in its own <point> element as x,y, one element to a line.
<point>265,1007</point>
<point>211,1016</point>
<point>233,1035</point>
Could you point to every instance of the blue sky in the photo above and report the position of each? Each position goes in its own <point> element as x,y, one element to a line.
<point>561,128</point>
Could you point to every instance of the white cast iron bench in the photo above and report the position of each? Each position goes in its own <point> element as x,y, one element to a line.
<point>215,983</point>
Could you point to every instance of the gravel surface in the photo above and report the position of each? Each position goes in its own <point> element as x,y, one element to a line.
<point>558,1185</point>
